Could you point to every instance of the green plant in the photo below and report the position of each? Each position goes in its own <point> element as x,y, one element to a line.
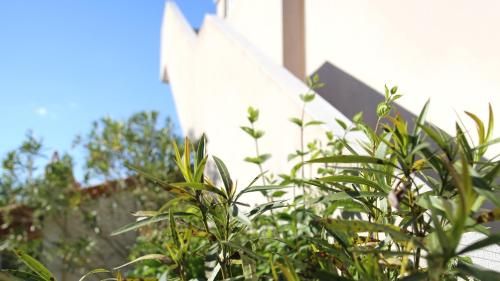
<point>203,219</point>
<point>392,206</point>
<point>42,202</point>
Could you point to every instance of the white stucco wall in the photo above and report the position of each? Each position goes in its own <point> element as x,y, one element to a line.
<point>261,22</point>
<point>223,75</point>
<point>444,50</point>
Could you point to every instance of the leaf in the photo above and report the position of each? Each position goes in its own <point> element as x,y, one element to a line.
<point>258,160</point>
<point>244,249</point>
<point>140,223</point>
<point>156,180</point>
<point>478,272</point>
<point>257,188</point>
<point>17,275</point>
<point>353,194</point>
<point>479,127</point>
<point>490,195</point>
<point>341,123</point>
<point>35,266</point>
<point>421,118</point>
<point>98,270</point>
<point>492,239</point>
<point>296,121</point>
<point>200,186</point>
<point>145,213</point>
<point>289,272</point>
<point>394,90</point>
<point>253,114</point>
<point>173,230</point>
<point>201,151</point>
<point>247,130</point>
<point>187,160</point>
<point>491,120</point>
<point>260,209</point>
<point>249,267</point>
<point>226,179</point>
<point>350,159</point>
<point>200,169</point>
<point>352,180</point>
<point>364,226</point>
<point>357,117</point>
<point>314,123</point>
<point>158,257</point>
<point>236,213</point>
<point>307,97</point>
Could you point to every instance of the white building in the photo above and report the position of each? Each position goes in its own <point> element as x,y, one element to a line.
<point>258,52</point>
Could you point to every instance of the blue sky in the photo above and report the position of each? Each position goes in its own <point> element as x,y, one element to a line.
<point>66,63</point>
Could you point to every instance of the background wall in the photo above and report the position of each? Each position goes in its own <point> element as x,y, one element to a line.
<point>444,50</point>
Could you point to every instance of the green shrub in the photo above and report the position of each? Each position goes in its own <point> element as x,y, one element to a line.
<point>391,206</point>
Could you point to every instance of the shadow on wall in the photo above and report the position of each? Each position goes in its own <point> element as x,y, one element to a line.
<point>350,96</point>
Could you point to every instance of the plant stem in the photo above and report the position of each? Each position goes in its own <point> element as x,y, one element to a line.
<point>302,154</point>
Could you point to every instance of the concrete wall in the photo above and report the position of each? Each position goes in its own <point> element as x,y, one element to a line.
<point>444,50</point>
<point>106,251</point>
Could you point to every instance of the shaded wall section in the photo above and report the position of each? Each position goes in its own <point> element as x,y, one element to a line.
<point>350,95</point>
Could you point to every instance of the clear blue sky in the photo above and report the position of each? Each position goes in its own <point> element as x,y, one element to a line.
<point>66,63</point>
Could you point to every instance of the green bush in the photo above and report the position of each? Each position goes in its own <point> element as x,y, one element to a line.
<point>391,206</point>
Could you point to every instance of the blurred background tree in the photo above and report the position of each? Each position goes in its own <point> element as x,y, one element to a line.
<point>35,199</point>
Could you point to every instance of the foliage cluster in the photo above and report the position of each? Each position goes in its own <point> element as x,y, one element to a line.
<point>51,197</point>
<point>391,205</point>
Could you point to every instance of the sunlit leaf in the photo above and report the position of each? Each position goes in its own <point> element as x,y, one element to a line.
<point>35,265</point>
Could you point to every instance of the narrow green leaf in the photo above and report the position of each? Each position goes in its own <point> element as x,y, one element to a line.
<point>314,123</point>
<point>201,151</point>
<point>237,214</point>
<point>259,159</point>
<point>173,230</point>
<point>200,186</point>
<point>17,275</point>
<point>364,226</point>
<point>491,120</point>
<point>35,266</point>
<point>353,194</point>
<point>245,250</point>
<point>352,180</point>
<point>421,118</point>
<point>98,270</point>
<point>350,159</point>
<point>224,173</point>
<point>248,130</point>
<point>341,123</point>
<point>479,126</point>
<point>156,180</point>
<point>296,121</point>
<point>157,257</point>
<point>140,223</point>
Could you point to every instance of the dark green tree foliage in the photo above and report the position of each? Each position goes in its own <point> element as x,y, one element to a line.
<point>51,193</point>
